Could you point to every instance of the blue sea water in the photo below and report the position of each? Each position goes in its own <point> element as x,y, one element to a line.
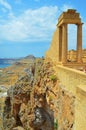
<point>4,65</point>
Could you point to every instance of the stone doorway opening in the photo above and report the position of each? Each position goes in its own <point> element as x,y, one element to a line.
<point>72,40</point>
<point>69,17</point>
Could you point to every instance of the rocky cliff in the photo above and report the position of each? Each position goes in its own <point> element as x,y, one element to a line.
<point>37,102</point>
<point>26,105</point>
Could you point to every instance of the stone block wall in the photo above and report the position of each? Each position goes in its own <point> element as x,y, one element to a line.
<point>74,83</point>
<point>53,50</point>
<point>80,111</point>
<point>70,78</point>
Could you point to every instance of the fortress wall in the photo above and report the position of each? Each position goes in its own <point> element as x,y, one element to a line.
<point>80,112</point>
<point>70,78</point>
<point>75,82</point>
<point>52,53</point>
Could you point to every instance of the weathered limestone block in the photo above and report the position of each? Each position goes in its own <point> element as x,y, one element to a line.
<point>80,110</point>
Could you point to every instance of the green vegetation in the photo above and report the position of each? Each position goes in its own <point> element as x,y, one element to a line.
<point>50,98</point>
<point>28,129</point>
<point>55,124</point>
<point>53,78</point>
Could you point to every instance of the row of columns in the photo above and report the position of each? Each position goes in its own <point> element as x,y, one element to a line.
<point>63,43</point>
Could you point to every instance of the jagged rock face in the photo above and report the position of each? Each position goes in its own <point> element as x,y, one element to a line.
<point>8,120</point>
<point>66,112</point>
<point>42,120</point>
<point>27,93</point>
<point>17,94</point>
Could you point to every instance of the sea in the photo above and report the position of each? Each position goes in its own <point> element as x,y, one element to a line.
<point>4,65</point>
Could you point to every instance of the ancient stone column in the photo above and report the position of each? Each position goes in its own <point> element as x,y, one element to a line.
<point>79,43</point>
<point>64,43</point>
<point>60,42</point>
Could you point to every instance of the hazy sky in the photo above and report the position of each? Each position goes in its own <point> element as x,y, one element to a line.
<point>27,26</point>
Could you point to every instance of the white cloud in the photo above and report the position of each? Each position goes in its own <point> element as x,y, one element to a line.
<point>66,7</point>
<point>35,25</point>
<point>5,4</point>
<point>32,25</point>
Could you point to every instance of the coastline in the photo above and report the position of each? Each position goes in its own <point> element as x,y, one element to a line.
<point>4,65</point>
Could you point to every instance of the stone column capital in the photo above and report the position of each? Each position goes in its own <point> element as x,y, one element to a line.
<point>64,24</point>
<point>79,24</point>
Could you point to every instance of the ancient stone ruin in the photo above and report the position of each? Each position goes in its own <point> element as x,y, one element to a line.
<point>59,46</point>
<point>69,17</point>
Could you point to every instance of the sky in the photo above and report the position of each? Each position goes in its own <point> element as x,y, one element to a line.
<point>27,26</point>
